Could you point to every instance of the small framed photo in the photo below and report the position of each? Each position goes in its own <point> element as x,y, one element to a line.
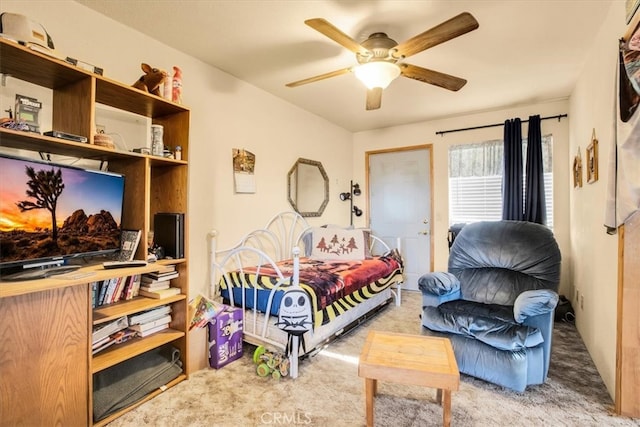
<point>577,170</point>
<point>631,7</point>
<point>592,159</point>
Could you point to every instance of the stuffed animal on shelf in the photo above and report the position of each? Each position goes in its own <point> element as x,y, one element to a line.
<point>151,80</point>
<point>176,93</point>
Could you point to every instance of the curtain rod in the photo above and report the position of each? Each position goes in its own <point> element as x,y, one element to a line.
<point>442,132</point>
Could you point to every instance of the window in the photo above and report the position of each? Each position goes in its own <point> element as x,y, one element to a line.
<point>475,180</point>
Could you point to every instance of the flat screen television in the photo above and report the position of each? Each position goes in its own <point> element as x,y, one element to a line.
<point>50,213</point>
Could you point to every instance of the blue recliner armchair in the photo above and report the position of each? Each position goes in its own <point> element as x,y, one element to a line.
<point>496,301</point>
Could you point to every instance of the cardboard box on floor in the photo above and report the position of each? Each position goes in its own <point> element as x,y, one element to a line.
<point>225,337</point>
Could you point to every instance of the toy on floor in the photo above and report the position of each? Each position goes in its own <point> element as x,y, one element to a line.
<point>151,80</point>
<point>269,363</point>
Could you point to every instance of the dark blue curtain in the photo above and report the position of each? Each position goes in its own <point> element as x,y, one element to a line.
<point>512,175</point>
<point>534,202</point>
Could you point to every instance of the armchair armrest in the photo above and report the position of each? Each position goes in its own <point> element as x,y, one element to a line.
<point>534,303</point>
<point>438,287</point>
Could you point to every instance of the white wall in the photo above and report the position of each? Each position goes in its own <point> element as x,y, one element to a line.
<point>425,133</point>
<point>226,113</point>
<point>595,253</point>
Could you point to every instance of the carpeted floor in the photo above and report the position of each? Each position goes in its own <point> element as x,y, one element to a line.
<point>329,392</point>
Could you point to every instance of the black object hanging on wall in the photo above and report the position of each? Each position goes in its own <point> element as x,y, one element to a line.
<point>354,190</point>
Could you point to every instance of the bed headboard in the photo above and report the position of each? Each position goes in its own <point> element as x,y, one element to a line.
<point>275,242</point>
<point>289,228</point>
<point>283,232</point>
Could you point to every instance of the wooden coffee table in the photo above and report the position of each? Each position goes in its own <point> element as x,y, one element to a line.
<point>409,359</point>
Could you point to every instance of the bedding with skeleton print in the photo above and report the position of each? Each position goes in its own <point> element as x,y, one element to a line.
<point>334,287</point>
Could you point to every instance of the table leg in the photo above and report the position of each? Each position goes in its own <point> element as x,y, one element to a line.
<point>439,396</point>
<point>370,386</point>
<point>446,409</point>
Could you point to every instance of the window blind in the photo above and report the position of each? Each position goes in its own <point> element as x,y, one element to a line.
<point>475,181</point>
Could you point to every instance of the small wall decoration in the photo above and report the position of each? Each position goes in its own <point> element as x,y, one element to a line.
<point>631,6</point>
<point>244,163</point>
<point>577,170</point>
<point>592,159</point>
<point>629,59</point>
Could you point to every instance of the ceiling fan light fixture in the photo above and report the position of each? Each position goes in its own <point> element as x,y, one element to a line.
<point>377,74</point>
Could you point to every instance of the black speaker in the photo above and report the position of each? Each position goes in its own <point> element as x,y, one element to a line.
<point>168,232</point>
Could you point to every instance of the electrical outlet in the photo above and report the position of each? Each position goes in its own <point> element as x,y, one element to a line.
<point>581,302</point>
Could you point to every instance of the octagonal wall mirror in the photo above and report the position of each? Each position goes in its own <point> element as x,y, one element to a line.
<point>308,187</point>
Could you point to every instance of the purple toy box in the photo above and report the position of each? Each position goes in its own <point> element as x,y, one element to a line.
<point>225,337</point>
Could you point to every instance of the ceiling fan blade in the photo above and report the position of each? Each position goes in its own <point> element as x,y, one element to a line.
<point>319,77</point>
<point>374,98</point>
<point>454,27</point>
<point>325,27</point>
<point>432,77</point>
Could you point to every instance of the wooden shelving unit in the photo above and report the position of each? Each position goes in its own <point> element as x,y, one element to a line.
<point>47,324</point>
<point>121,352</point>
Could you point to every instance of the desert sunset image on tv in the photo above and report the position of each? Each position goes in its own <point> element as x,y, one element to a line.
<point>49,210</point>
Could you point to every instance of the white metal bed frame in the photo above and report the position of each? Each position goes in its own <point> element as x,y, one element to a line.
<point>282,238</point>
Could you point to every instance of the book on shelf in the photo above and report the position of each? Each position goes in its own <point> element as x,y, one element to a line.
<point>101,347</point>
<point>160,294</point>
<point>115,338</point>
<point>160,276</point>
<point>142,327</point>
<point>110,291</point>
<point>103,285</point>
<point>104,330</point>
<point>163,270</point>
<point>166,269</point>
<point>129,241</point>
<point>149,315</point>
<point>120,282</point>
<point>156,287</point>
<point>146,281</point>
<point>153,330</point>
<point>111,287</point>
<point>123,335</point>
<point>100,342</point>
<point>130,284</point>
<point>95,290</point>
<point>135,291</point>
<point>155,283</point>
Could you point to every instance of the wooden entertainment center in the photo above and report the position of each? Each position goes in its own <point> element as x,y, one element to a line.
<point>46,362</point>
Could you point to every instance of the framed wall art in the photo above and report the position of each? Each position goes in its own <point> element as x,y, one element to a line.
<point>577,170</point>
<point>631,6</point>
<point>592,159</point>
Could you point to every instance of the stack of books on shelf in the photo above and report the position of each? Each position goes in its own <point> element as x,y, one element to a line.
<point>150,321</point>
<point>158,283</point>
<point>107,334</point>
<point>114,290</point>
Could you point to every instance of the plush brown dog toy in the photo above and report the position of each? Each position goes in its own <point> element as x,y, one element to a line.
<point>151,80</point>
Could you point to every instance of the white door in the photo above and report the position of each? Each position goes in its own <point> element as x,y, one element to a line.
<point>400,206</point>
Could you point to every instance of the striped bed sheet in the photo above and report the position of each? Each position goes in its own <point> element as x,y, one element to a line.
<point>334,287</point>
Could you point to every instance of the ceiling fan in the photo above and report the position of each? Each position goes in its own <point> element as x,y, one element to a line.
<point>379,57</point>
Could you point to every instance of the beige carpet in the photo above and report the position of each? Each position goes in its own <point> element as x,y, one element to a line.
<point>329,392</point>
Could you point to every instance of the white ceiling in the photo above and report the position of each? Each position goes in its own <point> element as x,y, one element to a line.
<point>523,52</point>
